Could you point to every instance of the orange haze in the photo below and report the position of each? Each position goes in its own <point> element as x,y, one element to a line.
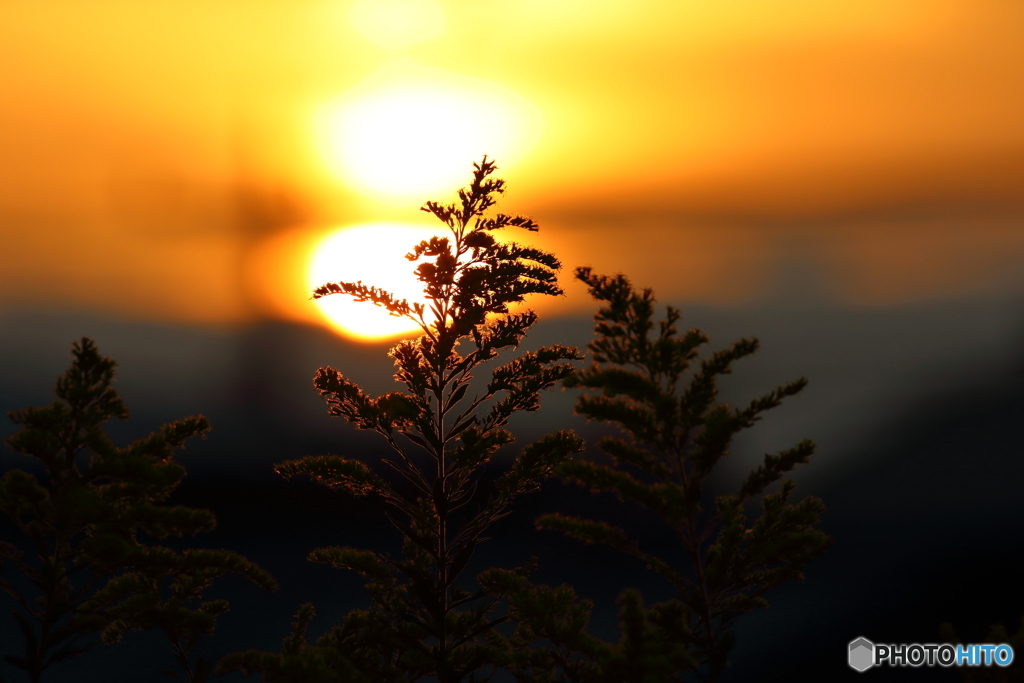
<point>160,159</point>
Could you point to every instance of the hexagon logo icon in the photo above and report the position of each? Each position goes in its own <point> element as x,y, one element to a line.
<point>862,654</point>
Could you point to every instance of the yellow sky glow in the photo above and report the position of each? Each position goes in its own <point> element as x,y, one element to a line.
<point>398,24</point>
<point>410,132</point>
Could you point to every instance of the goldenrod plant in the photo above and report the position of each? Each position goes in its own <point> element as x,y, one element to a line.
<point>647,379</point>
<point>427,621</point>
<point>88,566</point>
<point>998,634</point>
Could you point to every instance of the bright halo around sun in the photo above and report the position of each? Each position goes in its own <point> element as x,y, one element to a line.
<point>374,253</point>
<point>411,133</point>
<point>398,24</point>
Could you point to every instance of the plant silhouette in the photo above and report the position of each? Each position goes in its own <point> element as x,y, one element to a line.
<point>676,435</point>
<point>91,571</point>
<point>1014,673</point>
<point>425,623</point>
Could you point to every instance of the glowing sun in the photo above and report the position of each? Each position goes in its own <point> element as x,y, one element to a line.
<point>410,131</point>
<point>375,254</point>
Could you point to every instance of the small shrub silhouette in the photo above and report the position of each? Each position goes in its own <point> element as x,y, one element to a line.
<point>676,435</point>
<point>1014,673</point>
<point>91,571</point>
<point>424,623</point>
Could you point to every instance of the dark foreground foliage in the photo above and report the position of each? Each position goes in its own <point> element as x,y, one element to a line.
<point>426,622</point>
<point>646,378</point>
<point>87,566</point>
<point>997,634</point>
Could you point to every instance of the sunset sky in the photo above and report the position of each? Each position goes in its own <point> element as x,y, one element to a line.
<point>179,161</point>
<point>843,179</point>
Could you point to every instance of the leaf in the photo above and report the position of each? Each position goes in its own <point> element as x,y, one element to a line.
<point>67,651</point>
<point>19,662</point>
<point>775,466</point>
<point>202,670</point>
<point>416,439</point>
<point>297,637</point>
<point>197,637</point>
<point>456,396</point>
<point>460,561</point>
<point>334,471</point>
<point>462,426</point>
<point>419,539</point>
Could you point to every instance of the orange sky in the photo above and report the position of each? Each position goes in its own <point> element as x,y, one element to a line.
<point>155,157</point>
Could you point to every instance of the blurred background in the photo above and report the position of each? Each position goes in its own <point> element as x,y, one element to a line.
<point>843,180</point>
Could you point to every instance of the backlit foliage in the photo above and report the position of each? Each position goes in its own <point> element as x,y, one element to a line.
<point>425,623</point>
<point>87,564</point>
<point>647,379</point>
